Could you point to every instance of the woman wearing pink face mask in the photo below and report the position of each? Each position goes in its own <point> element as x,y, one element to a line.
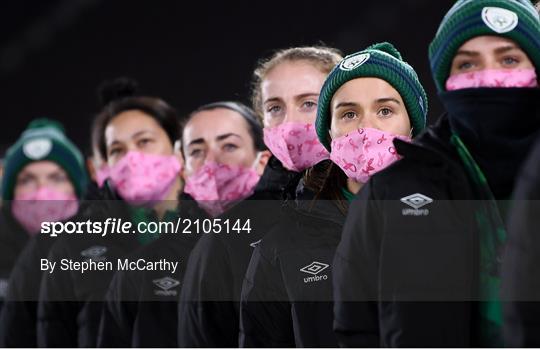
<point>44,179</point>
<point>285,93</point>
<point>135,136</point>
<point>368,100</point>
<point>420,259</point>
<point>225,158</point>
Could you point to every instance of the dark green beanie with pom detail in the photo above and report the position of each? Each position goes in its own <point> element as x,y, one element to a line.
<point>517,20</point>
<point>44,139</point>
<point>381,61</point>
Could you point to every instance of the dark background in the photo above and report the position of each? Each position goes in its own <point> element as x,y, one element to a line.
<point>53,53</point>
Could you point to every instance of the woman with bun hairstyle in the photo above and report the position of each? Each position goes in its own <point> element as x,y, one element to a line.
<point>136,136</point>
<point>370,100</point>
<point>44,180</point>
<point>222,139</point>
<point>285,93</point>
<point>420,259</point>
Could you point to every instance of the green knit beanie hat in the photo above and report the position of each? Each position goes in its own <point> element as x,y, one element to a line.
<point>381,61</point>
<point>513,19</point>
<point>44,139</point>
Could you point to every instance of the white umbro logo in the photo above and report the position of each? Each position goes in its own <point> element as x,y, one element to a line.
<point>94,253</point>
<point>166,283</point>
<point>416,200</point>
<point>314,269</point>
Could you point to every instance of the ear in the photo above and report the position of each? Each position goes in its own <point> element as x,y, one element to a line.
<point>177,152</point>
<point>263,160</point>
<point>91,169</point>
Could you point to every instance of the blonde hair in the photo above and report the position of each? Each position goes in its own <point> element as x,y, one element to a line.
<point>324,58</point>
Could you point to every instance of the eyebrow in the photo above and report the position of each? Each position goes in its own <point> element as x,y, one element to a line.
<point>345,104</point>
<point>498,51</point>
<point>224,136</point>
<point>218,138</point>
<point>297,97</point>
<point>504,49</point>
<point>388,99</point>
<point>137,134</point>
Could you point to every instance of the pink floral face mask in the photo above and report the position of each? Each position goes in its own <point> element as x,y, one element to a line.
<point>45,204</point>
<point>493,78</point>
<point>144,179</point>
<point>216,187</point>
<point>296,145</point>
<point>365,152</point>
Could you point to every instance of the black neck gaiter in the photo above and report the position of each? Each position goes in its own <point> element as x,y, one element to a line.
<point>498,126</point>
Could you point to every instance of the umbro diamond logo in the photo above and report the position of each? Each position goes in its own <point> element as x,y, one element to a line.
<point>314,269</point>
<point>416,201</point>
<point>166,284</point>
<point>95,253</point>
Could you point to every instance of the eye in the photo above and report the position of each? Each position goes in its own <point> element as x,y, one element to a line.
<point>465,65</point>
<point>309,105</point>
<point>510,61</point>
<point>385,112</point>
<point>274,109</point>
<point>58,177</point>
<point>144,142</point>
<point>195,153</point>
<point>114,151</point>
<point>349,115</point>
<point>230,147</point>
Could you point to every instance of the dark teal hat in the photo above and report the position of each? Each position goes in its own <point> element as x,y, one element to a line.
<point>513,19</point>
<point>381,61</point>
<point>44,139</point>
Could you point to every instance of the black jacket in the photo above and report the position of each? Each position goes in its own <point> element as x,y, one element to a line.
<point>70,303</point>
<point>287,292</point>
<point>12,241</point>
<point>208,312</point>
<point>406,270</point>
<point>520,277</point>
<point>19,315</point>
<point>140,307</point>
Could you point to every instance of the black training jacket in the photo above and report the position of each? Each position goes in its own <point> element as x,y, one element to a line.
<point>521,266</point>
<point>141,307</point>
<point>410,241</point>
<point>287,292</point>
<point>208,312</point>
<point>70,303</point>
<point>19,317</point>
<point>13,238</point>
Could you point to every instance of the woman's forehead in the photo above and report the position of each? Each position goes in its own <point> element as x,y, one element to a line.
<point>212,124</point>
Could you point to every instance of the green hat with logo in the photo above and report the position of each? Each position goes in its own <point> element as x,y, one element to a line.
<point>381,61</point>
<point>517,20</point>
<point>44,139</point>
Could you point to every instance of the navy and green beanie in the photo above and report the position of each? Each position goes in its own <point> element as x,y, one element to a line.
<point>513,19</point>
<point>44,139</point>
<point>381,61</point>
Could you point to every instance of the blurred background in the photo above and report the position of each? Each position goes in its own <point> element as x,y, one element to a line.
<point>54,53</point>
